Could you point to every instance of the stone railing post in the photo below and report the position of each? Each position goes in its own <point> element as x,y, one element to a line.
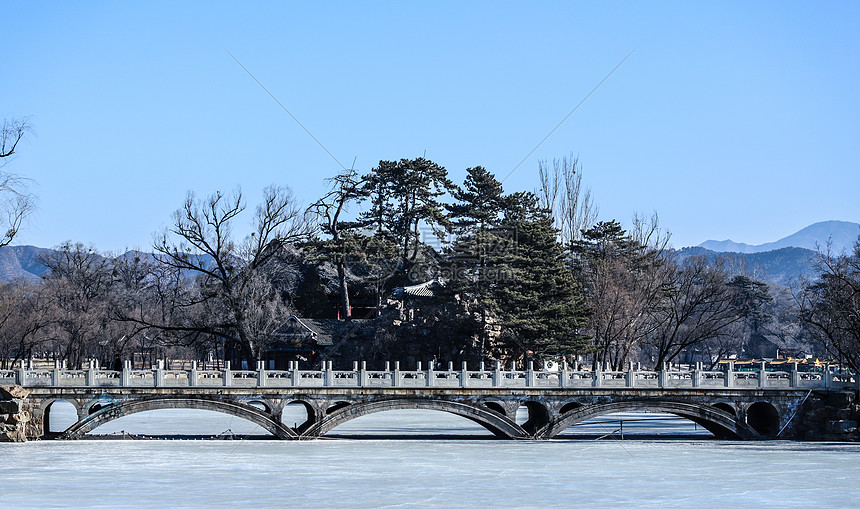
<point>55,376</point>
<point>192,375</point>
<point>261,374</point>
<point>22,374</point>
<point>828,377</point>
<point>497,374</point>
<point>730,375</point>
<point>91,374</point>
<point>159,373</point>
<point>794,378</point>
<point>125,376</point>
<point>762,376</point>
<point>329,373</point>
<point>563,376</point>
<point>530,375</point>
<point>697,375</point>
<point>431,374</point>
<point>363,375</point>
<point>295,376</point>
<point>464,375</point>
<point>663,377</point>
<point>228,375</point>
<point>597,376</point>
<point>631,377</point>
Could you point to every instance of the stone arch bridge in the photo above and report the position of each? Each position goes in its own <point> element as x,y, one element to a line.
<point>739,405</point>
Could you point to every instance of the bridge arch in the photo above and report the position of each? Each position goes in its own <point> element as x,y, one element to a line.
<point>726,407</point>
<point>568,406</point>
<point>99,402</point>
<point>334,406</point>
<point>499,425</point>
<point>260,403</point>
<point>304,418</point>
<point>715,420</point>
<point>234,408</point>
<point>48,417</point>
<point>495,406</point>
<point>764,418</point>
<point>538,416</point>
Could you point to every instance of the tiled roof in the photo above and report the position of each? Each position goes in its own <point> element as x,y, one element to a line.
<point>425,289</point>
<point>322,331</point>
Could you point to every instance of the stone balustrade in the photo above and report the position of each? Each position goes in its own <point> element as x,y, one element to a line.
<point>394,376</point>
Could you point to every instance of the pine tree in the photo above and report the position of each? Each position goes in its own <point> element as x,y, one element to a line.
<point>404,194</point>
<point>751,297</point>
<point>478,252</point>
<point>541,304</point>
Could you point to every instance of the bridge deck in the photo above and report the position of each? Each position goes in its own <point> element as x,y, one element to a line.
<point>739,404</point>
<point>450,378</point>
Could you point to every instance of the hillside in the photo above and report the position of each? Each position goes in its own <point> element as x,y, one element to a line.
<point>776,262</point>
<point>22,262</point>
<point>780,266</point>
<point>840,234</point>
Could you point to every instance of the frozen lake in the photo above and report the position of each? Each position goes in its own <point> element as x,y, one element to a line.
<point>414,471</point>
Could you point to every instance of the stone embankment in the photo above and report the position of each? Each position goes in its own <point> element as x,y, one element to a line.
<point>832,417</point>
<point>16,423</point>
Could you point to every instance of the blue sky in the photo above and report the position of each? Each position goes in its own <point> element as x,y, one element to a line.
<point>730,120</point>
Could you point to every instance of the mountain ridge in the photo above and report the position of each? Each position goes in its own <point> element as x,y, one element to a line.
<point>780,266</point>
<point>780,262</point>
<point>839,235</point>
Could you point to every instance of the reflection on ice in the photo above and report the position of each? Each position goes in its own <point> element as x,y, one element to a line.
<point>395,423</point>
<point>633,424</point>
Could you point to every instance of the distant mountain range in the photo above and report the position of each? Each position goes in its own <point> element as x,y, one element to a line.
<point>780,266</point>
<point>22,262</point>
<point>840,234</point>
<point>775,262</point>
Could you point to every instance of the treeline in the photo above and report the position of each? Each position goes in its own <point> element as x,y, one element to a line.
<point>518,276</point>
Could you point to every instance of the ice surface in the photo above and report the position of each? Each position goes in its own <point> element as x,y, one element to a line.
<point>416,472</point>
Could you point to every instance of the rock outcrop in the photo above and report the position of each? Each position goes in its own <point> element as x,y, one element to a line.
<point>830,416</point>
<point>16,423</point>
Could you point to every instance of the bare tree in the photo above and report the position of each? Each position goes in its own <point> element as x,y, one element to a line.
<point>232,295</point>
<point>697,306</point>
<point>345,188</point>
<point>15,202</point>
<point>831,305</point>
<point>562,193</point>
<point>77,288</point>
<point>23,316</point>
<point>623,281</point>
<point>11,133</point>
<point>648,232</point>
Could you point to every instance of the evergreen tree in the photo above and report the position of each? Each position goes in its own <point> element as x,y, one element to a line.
<point>750,297</point>
<point>478,254</point>
<point>480,203</point>
<point>541,304</point>
<point>404,194</point>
